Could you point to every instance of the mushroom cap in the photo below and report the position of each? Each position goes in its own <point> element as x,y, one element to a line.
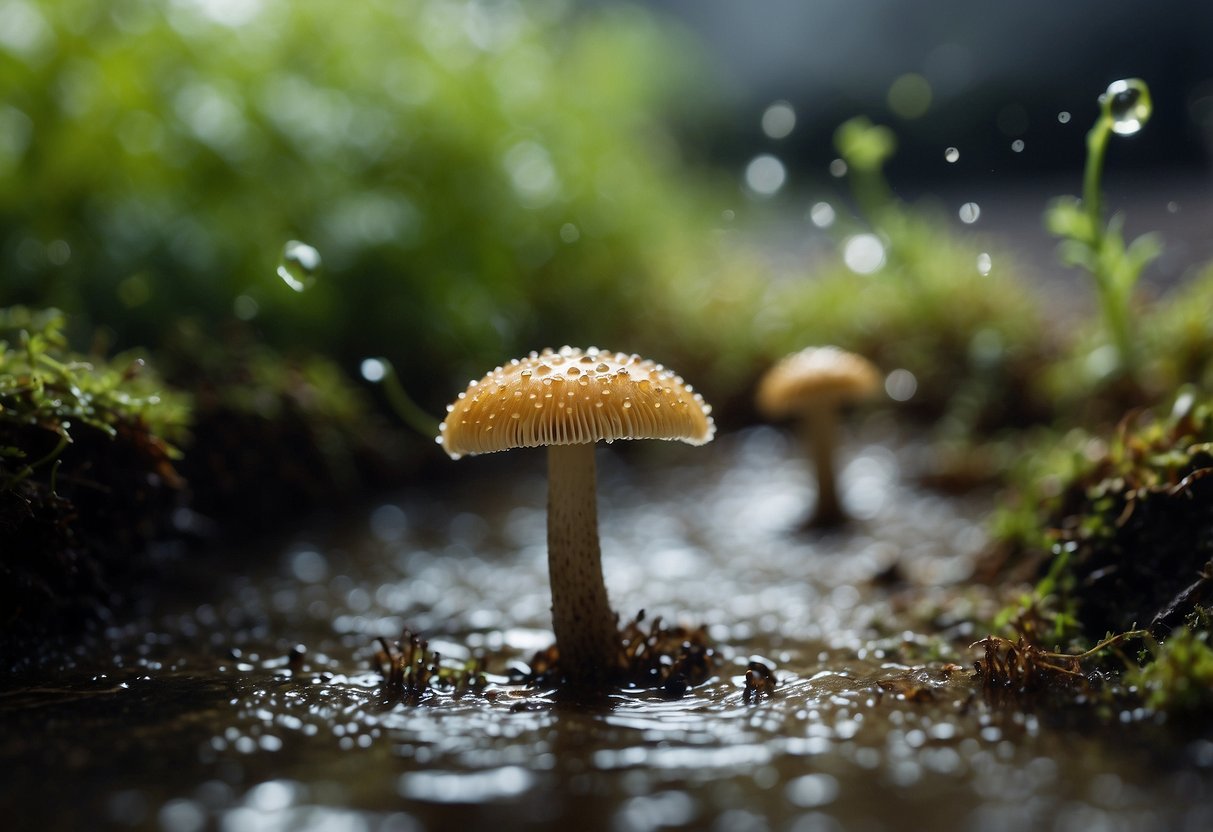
<point>816,377</point>
<point>571,396</point>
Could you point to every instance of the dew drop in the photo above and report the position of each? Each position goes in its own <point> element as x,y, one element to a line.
<point>602,368</point>
<point>778,120</point>
<point>951,155</point>
<point>299,265</point>
<point>543,369</point>
<point>525,374</point>
<point>969,212</point>
<point>573,371</point>
<point>765,174</point>
<point>901,385</point>
<point>863,253</point>
<point>1129,105</point>
<point>627,405</point>
<point>822,214</point>
<point>373,369</point>
<point>1017,145</point>
<point>1063,117</point>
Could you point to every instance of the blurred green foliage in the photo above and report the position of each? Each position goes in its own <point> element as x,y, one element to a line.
<point>46,388</point>
<point>481,179</point>
<point>1179,676</point>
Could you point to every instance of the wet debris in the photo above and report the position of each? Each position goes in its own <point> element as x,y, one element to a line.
<point>759,681</point>
<point>1021,668</point>
<point>918,686</point>
<point>411,672</point>
<point>669,659</point>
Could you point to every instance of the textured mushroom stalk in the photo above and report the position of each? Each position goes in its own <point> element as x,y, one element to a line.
<point>813,384</point>
<point>569,399</point>
<point>581,614</point>
<point>820,425</point>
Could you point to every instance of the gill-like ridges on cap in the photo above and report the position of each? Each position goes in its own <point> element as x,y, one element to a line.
<point>572,396</point>
<point>816,375</point>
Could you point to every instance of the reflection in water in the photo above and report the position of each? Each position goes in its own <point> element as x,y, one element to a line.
<point>204,713</point>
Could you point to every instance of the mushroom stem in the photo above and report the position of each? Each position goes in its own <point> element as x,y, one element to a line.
<point>820,425</point>
<point>586,633</point>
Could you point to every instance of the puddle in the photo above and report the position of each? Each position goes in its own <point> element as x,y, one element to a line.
<point>242,699</point>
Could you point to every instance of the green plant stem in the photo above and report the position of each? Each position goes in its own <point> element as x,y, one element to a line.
<point>408,410</point>
<point>1097,146</point>
<point>1113,298</point>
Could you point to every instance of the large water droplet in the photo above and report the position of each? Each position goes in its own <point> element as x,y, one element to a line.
<point>765,174</point>
<point>299,265</point>
<point>778,120</point>
<point>373,369</point>
<point>863,253</point>
<point>969,212</point>
<point>822,214</point>
<point>951,155</point>
<point>1129,105</point>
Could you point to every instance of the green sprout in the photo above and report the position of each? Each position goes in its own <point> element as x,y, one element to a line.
<point>1124,109</point>
<point>865,147</point>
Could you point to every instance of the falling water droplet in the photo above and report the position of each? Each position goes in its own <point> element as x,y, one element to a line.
<point>984,263</point>
<point>863,253</point>
<point>1017,145</point>
<point>778,120</point>
<point>765,174</point>
<point>299,265</point>
<point>951,155</point>
<point>1129,105</point>
<point>373,369</point>
<point>838,168</point>
<point>1063,117</point>
<point>822,214</point>
<point>969,212</point>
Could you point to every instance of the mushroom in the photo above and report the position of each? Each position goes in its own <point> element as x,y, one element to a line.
<point>813,384</point>
<point>568,400</point>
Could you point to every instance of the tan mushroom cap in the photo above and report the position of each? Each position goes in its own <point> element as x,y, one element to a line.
<point>816,375</point>
<point>572,396</point>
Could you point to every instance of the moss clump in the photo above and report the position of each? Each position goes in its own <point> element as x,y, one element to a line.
<point>87,474</point>
<point>1179,676</point>
<point>1125,531</point>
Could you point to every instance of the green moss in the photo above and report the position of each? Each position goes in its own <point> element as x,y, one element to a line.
<point>1179,676</point>
<point>87,477</point>
<point>1118,532</point>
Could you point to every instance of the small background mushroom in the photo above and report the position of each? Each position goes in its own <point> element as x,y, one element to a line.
<point>812,385</point>
<point>568,400</point>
